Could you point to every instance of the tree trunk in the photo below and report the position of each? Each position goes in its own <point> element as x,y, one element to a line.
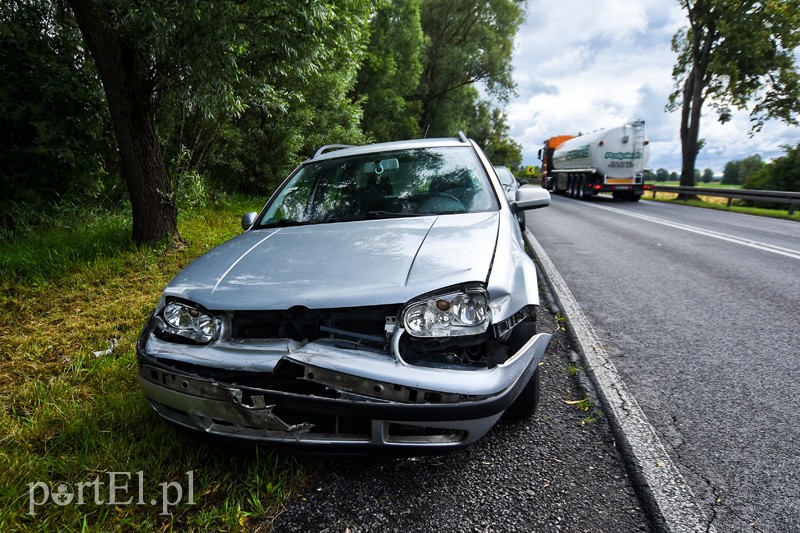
<point>125,74</point>
<point>693,98</point>
<point>690,129</point>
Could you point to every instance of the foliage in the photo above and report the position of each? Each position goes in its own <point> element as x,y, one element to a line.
<point>708,175</point>
<point>734,53</point>
<point>197,65</point>
<point>782,174</point>
<point>469,41</point>
<point>500,148</point>
<point>290,95</point>
<point>55,142</point>
<point>662,175</point>
<point>230,96</point>
<point>737,172</point>
<point>389,76</point>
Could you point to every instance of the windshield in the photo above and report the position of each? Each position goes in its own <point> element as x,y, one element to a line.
<point>431,181</point>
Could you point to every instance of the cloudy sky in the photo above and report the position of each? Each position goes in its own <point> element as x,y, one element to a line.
<point>584,65</point>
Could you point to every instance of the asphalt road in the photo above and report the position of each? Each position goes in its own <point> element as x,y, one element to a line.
<point>558,471</point>
<point>699,311</point>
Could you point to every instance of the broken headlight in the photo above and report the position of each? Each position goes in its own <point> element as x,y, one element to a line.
<point>453,314</point>
<point>187,321</point>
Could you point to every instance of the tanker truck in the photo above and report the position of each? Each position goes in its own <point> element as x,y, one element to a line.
<point>609,160</point>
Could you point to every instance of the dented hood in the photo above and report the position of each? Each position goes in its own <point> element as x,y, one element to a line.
<point>341,264</point>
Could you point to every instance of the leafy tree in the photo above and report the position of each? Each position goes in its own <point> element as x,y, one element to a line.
<point>731,175</point>
<point>662,175</point>
<point>53,144</point>
<point>708,175</point>
<point>749,166</point>
<point>673,176</point>
<point>469,41</point>
<point>782,174</point>
<point>488,127</point>
<point>319,109</point>
<point>735,52</point>
<point>390,73</point>
<point>737,172</point>
<point>216,59</point>
<point>506,152</point>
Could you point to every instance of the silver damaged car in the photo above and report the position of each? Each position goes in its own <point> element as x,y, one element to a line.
<point>382,298</point>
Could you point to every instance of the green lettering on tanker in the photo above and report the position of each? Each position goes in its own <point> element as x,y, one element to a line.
<point>578,153</point>
<point>623,155</point>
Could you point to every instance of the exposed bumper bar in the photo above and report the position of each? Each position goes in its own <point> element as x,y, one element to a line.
<point>254,413</point>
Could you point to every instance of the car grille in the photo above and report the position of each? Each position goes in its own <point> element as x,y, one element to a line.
<point>302,324</point>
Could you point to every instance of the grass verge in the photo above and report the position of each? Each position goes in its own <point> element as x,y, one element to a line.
<point>720,204</point>
<point>70,417</point>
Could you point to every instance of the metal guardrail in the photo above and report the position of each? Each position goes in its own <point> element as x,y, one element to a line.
<point>791,198</point>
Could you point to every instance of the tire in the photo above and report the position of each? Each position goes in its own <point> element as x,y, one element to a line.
<point>635,197</point>
<point>572,186</point>
<point>582,188</point>
<point>527,403</point>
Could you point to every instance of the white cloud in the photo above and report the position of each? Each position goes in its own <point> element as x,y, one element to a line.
<point>583,66</point>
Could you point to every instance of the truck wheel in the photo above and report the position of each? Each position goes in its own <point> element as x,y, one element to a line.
<point>527,402</point>
<point>582,188</point>
<point>635,197</point>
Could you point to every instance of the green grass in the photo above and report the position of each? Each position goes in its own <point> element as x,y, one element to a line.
<point>709,185</point>
<point>68,416</point>
<point>720,204</point>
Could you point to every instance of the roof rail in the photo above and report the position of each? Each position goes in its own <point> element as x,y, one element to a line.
<point>328,147</point>
<point>463,137</point>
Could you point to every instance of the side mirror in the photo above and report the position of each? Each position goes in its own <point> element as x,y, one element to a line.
<point>248,220</point>
<point>523,182</point>
<point>531,198</point>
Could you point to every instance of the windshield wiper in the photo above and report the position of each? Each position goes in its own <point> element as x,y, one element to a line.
<point>390,214</point>
<point>284,223</point>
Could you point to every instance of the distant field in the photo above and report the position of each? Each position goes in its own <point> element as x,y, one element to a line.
<point>716,202</point>
<point>706,199</point>
<point>712,185</point>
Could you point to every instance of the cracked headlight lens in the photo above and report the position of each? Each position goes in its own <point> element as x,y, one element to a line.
<point>186,321</point>
<point>454,314</point>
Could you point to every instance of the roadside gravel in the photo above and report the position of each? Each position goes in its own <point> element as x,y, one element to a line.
<point>558,471</point>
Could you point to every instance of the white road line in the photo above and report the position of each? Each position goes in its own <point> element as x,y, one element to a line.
<point>671,497</point>
<point>794,254</point>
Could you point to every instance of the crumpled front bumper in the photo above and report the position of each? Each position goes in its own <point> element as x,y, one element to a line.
<point>370,399</point>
